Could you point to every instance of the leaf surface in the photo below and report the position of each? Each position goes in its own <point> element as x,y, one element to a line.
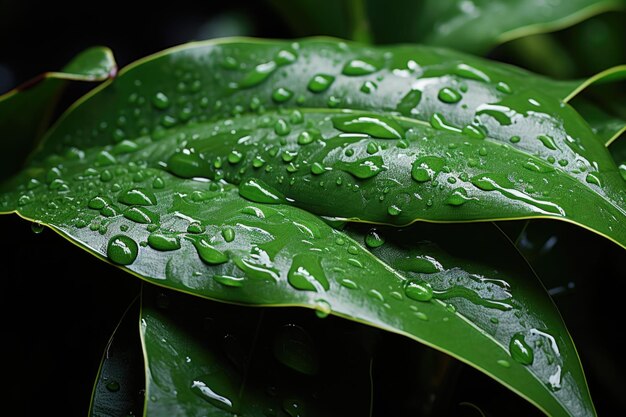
<point>26,110</point>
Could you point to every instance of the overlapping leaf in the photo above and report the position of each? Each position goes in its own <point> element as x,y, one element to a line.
<point>186,170</point>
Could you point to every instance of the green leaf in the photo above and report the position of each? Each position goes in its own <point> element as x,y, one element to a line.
<point>185,170</point>
<point>618,150</point>
<point>119,386</point>
<point>500,124</point>
<point>26,110</point>
<point>607,126</point>
<point>205,358</point>
<point>471,26</point>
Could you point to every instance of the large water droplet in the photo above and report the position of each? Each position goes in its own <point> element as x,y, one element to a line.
<point>137,196</point>
<point>294,348</point>
<point>201,389</point>
<point>363,168</point>
<point>320,83</point>
<point>547,141</point>
<point>163,242</point>
<point>369,124</point>
<point>407,106</point>
<point>306,273</point>
<point>259,74</point>
<point>469,72</point>
<point>418,290</point>
<point>208,253</point>
<point>458,197</point>
<point>281,95</point>
<point>189,164</point>
<point>426,168</point>
<point>258,191</point>
<point>520,350</point>
<point>122,250</point>
<point>361,66</point>
<point>229,281</point>
<point>373,239</point>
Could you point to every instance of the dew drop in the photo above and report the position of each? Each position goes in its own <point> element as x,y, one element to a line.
<point>122,250</point>
<point>163,242</point>
<point>449,95</point>
<point>229,281</point>
<point>370,124</point>
<point>306,273</point>
<point>320,83</point>
<point>418,290</point>
<point>363,168</point>
<point>356,67</point>
<point>373,239</point>
<point>281,95</point>
<point>160,101</point>
<point>520,351</point>
<point>137,196</point>
<point>426,168</point>
<point>228,233</point>
<point>208,253</point>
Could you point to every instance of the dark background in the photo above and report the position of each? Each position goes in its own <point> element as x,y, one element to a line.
<point>59,305</point>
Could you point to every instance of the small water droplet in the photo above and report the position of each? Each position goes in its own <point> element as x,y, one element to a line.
<point>258,74</point>
<point>228,233</point>
<point>503,363</point>
<point>503,87</point>
<point>122,250</point>
<point>305,137</point>
<point>547,141</point>
<point>36,227</point>
<point>113,386</point>
<point>281,127</point>
<point>322,309</point>
<point>426,168</point>
<point>363,168</point>
<point>317,168</point>
<point>368,86</point>
<point>348,284</point>
<point>421,316</point>
<point>458,197</point>
<point>593,179</point>
<point>229,281</point>
<point>469,72</point>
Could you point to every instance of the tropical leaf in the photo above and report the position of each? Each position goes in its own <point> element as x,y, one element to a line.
<point>119,387</point>
<point>185,171</point>
<point>26,110</point>
<point>484,120</point>
<point>471,26</point>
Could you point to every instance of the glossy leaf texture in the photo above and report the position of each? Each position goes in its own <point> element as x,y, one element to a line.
<point>470,26</point>
<point>204,238</point>
<point>26,111</point>
<point>618,150</point>
<point>119,387</point>
<point>386,136</point>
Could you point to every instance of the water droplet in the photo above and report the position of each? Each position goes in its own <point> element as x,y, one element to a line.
<point>125,147</point>
<point>228,233</point>
<point>373,239</point>
<point>305,137</point>
<point>520,350</point>
<point>356,67</point>
<point>137,196</point>
<point>195,227</point>
<point>320,83</point>
<point>317,168</point>
<point>208,253</point>
<point>258,74</point>
<point>418,290</point>
<point>160,101</point>
<point>104,158</point>
<point>499,182</point>
<point>394,210</point>
<point>363,168</point>
<point>163,242</point>
<point>281,95</point>
<point>293,408</point>
<point>514,139</point>
<point>258,191</point>
<point>158,183</point>
<point>202,390</point>
<point>503,363</point>
<point>113,386</point>
<point>368,86</point>
<point>407,106</point>
<point>458,197</point>
<point>284,57</point>
<point>503,87</point>
<point>349,284</point>
<point>294,348</point>
<point>281,127</point>
<point>322,309</point>
<point>376,295</point>
<point>306,273</point>
<point>36,227</point>
<point>426,168</point>
<point>449,95</point>
<point>469,72</point>
<point>547,141</point>
<point>189,164</point>
<point>439,122</point>
<point>421,316</point>
<point>139,214</point>
<point>369,124</point>
<point>229,281</point>
<point>122,250</point>
<point>593,179</point>
<point>229,63</point>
